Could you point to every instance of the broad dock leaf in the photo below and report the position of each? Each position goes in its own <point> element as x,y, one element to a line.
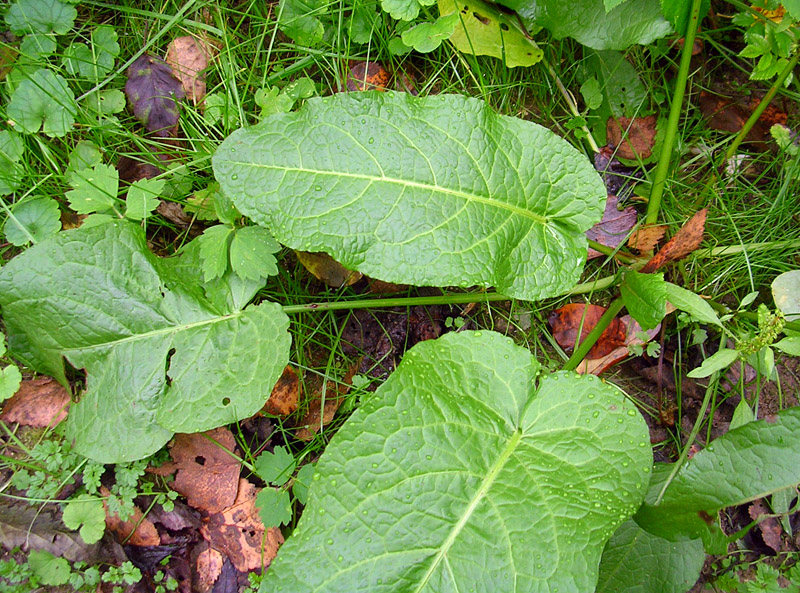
<point>438,190</point>
<point>159,358</point>
<point>465,473</point>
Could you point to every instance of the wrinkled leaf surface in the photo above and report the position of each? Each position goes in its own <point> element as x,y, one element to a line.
<point>462,473</point>
<point>438,190</point>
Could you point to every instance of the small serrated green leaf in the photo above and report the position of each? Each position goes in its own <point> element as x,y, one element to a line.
<point>426,37</point>
<point>274,507</point>
<point>693,304</point>
<point>716,362</point>
<point>94,190</point>
<point>11,150</point>
<point>302,482</point>
<point>214,246</point>
<point>275,467</point>
<point>10,380</point>
<point>43,101</point>
<point>645,297</point>
<point>85,155</point>
<point>48,569</point>
<point>32,220</point>
<point>142,198</point>
<point>87,515</point>
<point>36,46</point>
<point>41,16</point>
<point>251,253</point>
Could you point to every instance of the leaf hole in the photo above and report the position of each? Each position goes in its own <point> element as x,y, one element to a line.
<point>170,353</point>
<point>226,401</point>
<point>200,460</point>
<point>484,20</point>
<point>504,27</point>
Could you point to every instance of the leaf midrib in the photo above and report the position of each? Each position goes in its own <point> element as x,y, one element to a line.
<point>404,182</point>
<point>156,332</point>
<point>479,495</point>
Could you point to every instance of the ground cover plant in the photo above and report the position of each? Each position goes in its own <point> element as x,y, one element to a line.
<point>317,274</point>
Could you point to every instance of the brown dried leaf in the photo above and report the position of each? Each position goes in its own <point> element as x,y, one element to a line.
<point>173,212</point>
<point>320,415</point>
<point>685,241</point>
<point>237,532</point>
<point>770,527</point>
<point>207,570</point>
<point>729,114</point>
<point>380,287</point>
<point>614,226</point>
<point>208,475</point>
<point>639,135</point>
<point>189,57</point>
<point>366,76</point>
<point>645,239</point>
<point>327,269</point>
<point>39,402</point>
<point>285,394</point>
<point>565,321</point>
<point>136,530</point>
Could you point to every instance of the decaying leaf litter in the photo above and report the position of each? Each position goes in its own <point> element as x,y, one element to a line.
<point>217,537</point>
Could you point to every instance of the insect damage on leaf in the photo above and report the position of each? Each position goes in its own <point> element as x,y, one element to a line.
<point>153,92</point>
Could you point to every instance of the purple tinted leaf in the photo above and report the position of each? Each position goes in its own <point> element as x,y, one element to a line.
<point>614,227</point>
<point>153,92</point>
<point>618,178</point>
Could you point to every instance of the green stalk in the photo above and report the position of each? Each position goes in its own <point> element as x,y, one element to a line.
<point>583,348</point>
<point>654,204</point>
<point>571,103</point>
<point>751,121</point>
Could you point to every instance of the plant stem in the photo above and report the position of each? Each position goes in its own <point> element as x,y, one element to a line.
<point>611,252</point>
<point>458,298</point>
<point>583,348</point>
<point>712,385</point>
<point>763,104</point>
<point>654,204</point>
<point>573,106</point>
<point>736,249</point>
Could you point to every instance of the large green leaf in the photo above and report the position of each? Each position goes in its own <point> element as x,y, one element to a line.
<point>467,472</point>
<point>438,190</point>
<point>629,23</point>
<point>160,357</point>
<point>635,561</point>
<point>749,462</point>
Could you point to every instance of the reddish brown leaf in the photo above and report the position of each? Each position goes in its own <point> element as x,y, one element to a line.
<point>685,241</point>
<point>729,114</point>
<point>189,57</point>
<point>208,474</point>
<point>152,91</point>
<point>366,76</point>
<point>136,530</point>
<point>770,527</point>
<point>639,135</point>
<point>327,269</point>
<point>39,402</point>
<point>645,238</point>
<point>565,322</point>
<point>285,394</point>
<point>237,532</point>
<point>174,212</point>
<point>631,329</point>
<point>614,226</point>
<point>319,414</point>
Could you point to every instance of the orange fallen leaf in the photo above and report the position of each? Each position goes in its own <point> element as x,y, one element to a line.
<point>136,530</point>
<point>685,241</point>
<point>285,395</point>
<point>327,269</point>
<point>208,567</point>
<point>320,414</point>
<point>237,532</point>
<point>633,137</point>
<point>366,76</point>
<point>565,321</point>
<point>645,239</point>
<point>188,57</point>
<point>38,402</point>
<point>208,474</point>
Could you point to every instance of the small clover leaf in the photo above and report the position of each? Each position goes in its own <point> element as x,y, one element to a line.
<point>275,467</point>
<point>87,515</point>
<point>43,101</point>
<point>275,507</point>
<point>41,16</point>
<point>49,569</point>
<point>32,220</point>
